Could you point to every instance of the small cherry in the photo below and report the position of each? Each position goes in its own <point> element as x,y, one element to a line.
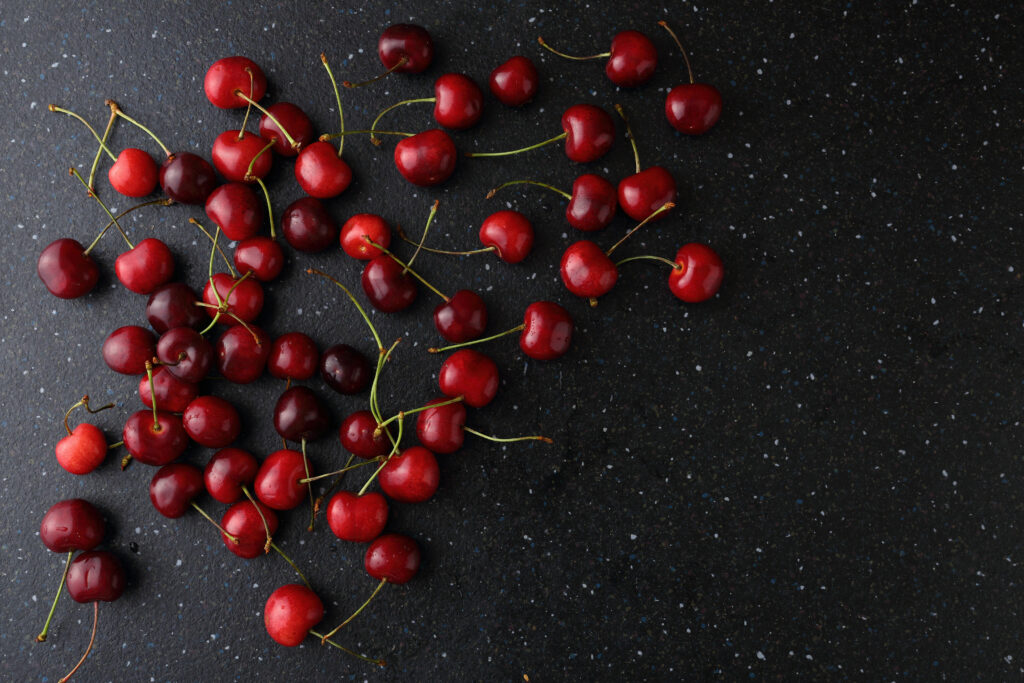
<point>228,75</point>
<point>172,394</point>
<point>427,158</point>
<point>242,353</point>
<point>291,611</point>
<point>173,305</point>
<point>154,438</point>
<point>470,374</point>
<point>250,527</point>
<point>509,233</point>
<point>441,427</point>
<point>698,274</point>
<point>261,256</point>
<point>588,131</point>
<point>402,48</point>
<point>85,448</point>
<point>185,353</point>
<point>227,472</point>
<point>241,156</point>
<point>545,333</point>
<point>66,269</point>
<point>388,287</point>
<point>279,480</point>
<point>211,421</point>
<point>127,349</point>
<point>691,108</point>
<point>134,174</point>
<point>412,476</point>
<point>293,356</point>
<point>237,299</point>
<point>300,415</point>
<point>359,436</point>
<point>285,117</point>
<point>308,226</point>
<point>646,191</point>
<point>592,203</point>
<point>462,317</point>
<point>631,59</point>
<point>458,103</point>
<point>355,518</point>
<point>236,210</point>
<point>93,576</point>
<point>146,266</point>
<point>359,227</point>
<point>345,369</point>
<point>187,178</point>
<point>514,83</point>
<point>174,487</point>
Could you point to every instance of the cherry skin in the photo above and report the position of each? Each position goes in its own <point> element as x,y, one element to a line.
<point>229,74</point>
<point>411,477</point>
<point>172,394</point>
<point>470,374</point>
<point>514,83</point>
<point>387,288</point>
<point>394,557</point>
<point>146,266</point>
<point>293,356</point>
<point>244,301</point>
<point>357,436</point>
<point>66,270</point>
<point>458,101</point>
<point>185,353</point>
<point>587,271</point>
<point>294,121</point>
<point>300,415</point>
<point>364,225</point>
<point>405,41</point>
<point>240,357</point>
<point>693,108</point>
<point>83,450</point>
<point>291,611</point>
<point>72,524</point>
<point>173,488</point>
<point>277,481</point>
<point>700,274</point>
<point>547,331</point>
<point>427,158</point>
<point>261,256</point>
<point>321,172</point>
<point>232,156</point>
<point>590,132</point>
<point>462,318</point>
<point>510,233</point>
<point>211,421</point>
<point>243,521</point>
<point>632,61</point>
<point>440,428</point>
<point>128,348</point>
<point>227,472</point>
<point>173,305</point>
<point>643,193</point>
<point>134,174</point>
<point>593,203</point>
<point>308,227</point>
<point>355,518</point>
<point>345,369</point>
<point>187,178</point>
<point>236,209</point>
<point>95,575</point>
<point>151,445</point>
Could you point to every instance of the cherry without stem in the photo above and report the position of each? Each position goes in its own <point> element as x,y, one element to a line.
<point>127,349</point>
<point>345,369</point>
<point>72,524</point>
<point>173,305</point>
<point>300,415</point>
<point>242,353</point>
<point>293,356</point>
<point>261,256</point>
<point>211,421</point>
<point>308,226</point>
<point>515,81</point>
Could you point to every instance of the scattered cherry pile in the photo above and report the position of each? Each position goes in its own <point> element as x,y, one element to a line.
<point>194,335</point>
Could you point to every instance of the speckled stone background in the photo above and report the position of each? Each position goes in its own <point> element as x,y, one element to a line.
<point>818,474</point>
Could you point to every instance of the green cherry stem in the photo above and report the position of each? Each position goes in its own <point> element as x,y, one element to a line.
<point>406,267</point>
<point>99,151</point>
<point>92,639</point>
<point>294,566</point>
<point>506,439</point>
<point>84,402</point>
<point>661,209</point>
<point>382,360</point>
<point>117,110</point>
<point>252,162</point>
<point>357,612</point>
<point>248,106</point>
<point>362,311</point>
<point>394,451</point>
<point>331,136</point>
<point>166,201</point>
<point>528,182</point>
<point>401,62</point>
<point>41,638</point>
<point>686,57</point>
<point>517,151</point>
<point>373,126</point>
<point>401,414</point>
<point>259,511</point>
<point>343,470</point>
<point>270,209</point>
<point>328,641</point>
<point>102,141</point>
<point>337,98</point>
<point>517,328</point>
<point>152,395</point>
<point>216,246</point>
<point>334,484</point>
<point>572,57</point>
<point>92,194</point>
<point>403,236</point>
<point>629,134</point>
<point>312,503</point>
<point>650,257</point>
<point>231,537</point>
<point>423,237</point>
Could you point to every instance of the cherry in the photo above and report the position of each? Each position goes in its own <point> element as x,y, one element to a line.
<point>470,374</point>
<point>229,74</point>
<point>236,209</point>
<point>321,172</point>
<point>307,226</point>
<point>441,428</point>
<point>427,158</point>
<point>698,275</point>
<point>345,369</point>
<point>358,436</point>
<point>588,131</point>
<point>85,448</point>
<point>458,103</point>
<point>72,524</point>
<point>242,298</point>
<point>514,83</point>
<point>251,526</point>
<point>227,472</point>
<point>293,356</point>
<point>173,305</point>
<point>294,121</point>
<point>174,487</point>
<point>592,203</point>
<point>587,271</point>
<point>234,152</point>
<point>691,108</point>
<point>134,174</point>
<point>128,348</point>
<point>386,284</point>
<point>211,421</point>
<point>393,557</point>
<point>356,518</point>
<point>172,394</point>
<point>291,611</point>
<point>359,227</point>
<point>412,476</point>
<point>510,233</point>
<point>187,178</point>
<point>154,439</point>
<point>66,269</point>
<point>145,266</point>
<point>300,415</point>
<point>185,353</point>
<point>405,48</point>
<point>242,353</point>
<point>96,575</point>
<point>278,480</point>
<point>462,317</point>
<point>632,58</point>
<point>646,191</point>
<point>261,256</point>
<point>547,331</point>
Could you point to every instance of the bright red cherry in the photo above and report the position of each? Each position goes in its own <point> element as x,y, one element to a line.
<point>66,270</point>
<point>411,477</point>
<point>345,369</point>
<point>185,353</point>
<point>187,178</point>
<point>458,101</point>
<point>242,353</point>
<point>172,394</point>
<point>72,524</point>
<point>587,271</point>
<point>146,266</point>
<point>631,59</point>
<point>277,482</point>
<point>427,158</point>
<point>236,209</point>
<point>134,174</point>
<point>95,575</point>
<point>227,472</point>
<point>261,256</point>
<point>308,227</point>
<point>300,415</point>
<point>83,450</point>
<point>699,273</point>
<point>245,522</point>
<point>590,132</point>
<point>593,203</point>
<point>510,233</point>
<point>244,298</point>
<point>294,121</point>
<point>355,518</point>
<point>514,83</point>
<point>646,191</point>
<point>547,331</point>
<point>691,108</point>
<point>386,286</point>
<point>441,428</point>
<point>462,317</point>
<point>321,172</point>
<point>364,225</point>
<point>357,436</point>
<point>128,348</point>
<point>154,443</point>
<point>291,611</point>
<point>394,557</point>
<point>293,356</point>
<point>233,151</point>
<point>227,75</point>
<point>174,487</point>
<point>405,48</point>
<point>174,305</point>
<point>470,374</point>
<point>211,421</point>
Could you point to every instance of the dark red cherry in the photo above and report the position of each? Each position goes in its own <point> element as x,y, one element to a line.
<point>300,415</point>
<point>242,353</point>
<point>277,481</point>
<point>427,158</point>
<point>293,356</point>
<point>470,374</point>
<point>294,121</point>
<point>699,275</point>
<point>394,557</point>
<point>643,193</point>
<point>633,59</point>
<point>233,151</point>
<point>211,421</point>
<point>693,108</point>
<point>261,256</point>
<point>229,74</point>
<point>593,203</point>
<point>387,288</point>
<point>458,101</point>
<point>72,524</point>
<point>244,521</point>
<point>244,300</point>
<point>407,42</point>
<point>514,83</point>
<point>83,450</point>
<point>291,611</point>
<point>128,348</point>
<point>95,575</point>
<point>236,209</point>
<point>154,444</point>
<point>321,172</point>
<point>365,225</point>
<point>510,233</point>
<point>134,174</point>
<point>357,436</point>
<point>185,353</point>
<point>411,477</point>
<point>355,518</point>
<point>227,472</point>
<point>547,331</point>
<point>308,227</point>
<point>172,394</point>
<point>345,369</point>
<point>66,270</point>
<point>462,318</point>
<point>590,132</point>
<point>174,487</point>
<point>146,266</point>
<point>187,178</point>
<point>587,271</point>
<point>440,428</point>
<point>174,305</point>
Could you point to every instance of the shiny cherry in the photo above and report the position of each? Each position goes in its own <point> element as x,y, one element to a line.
<point>321,172</point>
<point>83,450</point>
<point>127,349</point>
<point>462,317</point>
<point>590,132</point>
<point>643,193</point>
<point>441,428</point>
<point>146,266</point>
<point>261,256</point>
<point>293,356</point>
<point>405,48</point>
<point>294,121</point>
<point>185,353</point>
<point>345,369</point>
<point>233,151</point>
<point>174,305</point>
<point>357,436</point>
<point>593,203</point>
<point>134,174</point>
<point>72,524</point>
<point>386,286</point>
<point>95,575</point>
<point>291,611</point>
<point>691,108</point>
<point>230,74</point>
<point>300,415</point>
<point>394,557</point>
<point>411,477</point>
<point>172,394</point>
<point>356,518</point>
<point>360,226</point>
<point>458,102</point>
<point>243,298</point>
<point>242,353</point>
<point>547,331</point>
<point>427,158</point>
<point>66,270</point>
<point>173,488</point>
<point>227,472</point>
<point>277,481</point>
<point>632,59</point>
<point>244,521</point>
<point>154,444</point>
<point>187,178</point>
<point>514,83</point>
<point>236,209</point>
<point>470,374</point>
<point>308,227</point>
<point>510,233</point>
<point>211,421</point>
<point>698,275</point>
<point>587,271</point>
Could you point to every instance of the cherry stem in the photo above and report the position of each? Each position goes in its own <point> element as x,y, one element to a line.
<point>270,209</point>
<point>373,127</point>
<point>650,257</point>
<point>325,639</point>
<point>252,162</point>
<point>337,98</point>
<point>406,267</point>
<point>334,484</point>
<point>362,311</point>
<point>294,566</point>
<point>506,439</point>
<point>248,106</point>
<point>92,194</point>
<point>661,209</point>
<point>166,201</point>
<point>125,461</point>
<point>103,145</point>
<point>115,445</point>
<point>401,414</point>
<point>470,252</point>
<point>259,511</point>
<point>330,136</point>
<point>355,614</point>
<point>92,639</point>
<point>312,504</point>
<point>216,246</point>
<point>83,402</point>
<point>686,58</point>
<point>394,450</point>
<point>528,182</point>
<point>629,134</point>
<point>382,359</point>
<point>576,59</point>
<point>152,394</point>
<point>343,470</point>
<point>423,238</point>
<point>200,510</point>
<point>41,638</point>
<point>253,103</point>
<point>99,152</point>
<point>517,328</point>
<point>401,62</point>
<point>117,110</point>
<point>516,151</point>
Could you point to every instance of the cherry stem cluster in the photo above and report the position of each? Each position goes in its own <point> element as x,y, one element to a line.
<point>84,402</point>
<point>118,112</point>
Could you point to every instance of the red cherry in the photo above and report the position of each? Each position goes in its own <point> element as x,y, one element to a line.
<point>293,356</point>
<point>693,108</point>
<point>174,487</point>
<point>365,225</point>
<point>229,74</point>
<point>277,482</point>
<point>146,266</point>
<point>321,172</point>
<point>300,415</point>
<point>134,174</point>
<point>547,331</point>
<point>72,524</point>
<point>355,518</point>
<point>593,203</point>
<point>173,305</point>
<point>211,421</point>
<point>514,83</point>
<point>234,150</point>
<point>95,575</point>
<point>236,209</point>
<point>387,288</point>
<point>643,193</point>
<point>185,353</point>
<point>83,450</point>
<point>244,300</point>
<point>394,557</point>
<point>427,158</point>
<point>470,374</point>
<point>458,101</point>
<point>187,178</point>
<point>66,270</point>
<point>154,444</point>
<point>412,476</point>
<point>462,317</point>
<point>244,522</point>
<point>632,60</point>
<point>261,256</point>
<point>440,428</point>
<point>128,348</point>
<point>307,226</point>
<point>227,472</point>
<point>294,121</point>
<point>345,369</point>
<point>590,132</point>
<point>699,274</point>
<point>291,611</point>
<point>407,42</point>
<point>510,233</point>
<point>357,436</point>
<point>172,394</point>
<point>587,271</point>
<point>240,357</point>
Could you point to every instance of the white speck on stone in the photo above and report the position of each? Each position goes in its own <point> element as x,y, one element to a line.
<point>760,655</point>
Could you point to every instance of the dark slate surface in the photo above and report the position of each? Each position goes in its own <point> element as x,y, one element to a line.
<point>817,474</point>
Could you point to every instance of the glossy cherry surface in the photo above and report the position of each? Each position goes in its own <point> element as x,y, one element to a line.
<point>134,174</point>
<point>236,209</point>
<point>587,271</point>
<point>154,443</point>
<point>427,158</point>
<point>244,298</point>
<point>293,355</point>
<point>172,394</point>
<point>211,421</point>
<point>593,203</point>
<point>294,121</point>
<point>300,415</point>
<point>693,108</point>
<point>72,524</point>
<point>173,488</point>
<point>411,476</point>
<point>242,353</point>
<point>387,288</point>
<point>261,256</point>
<point>227,472</point>
<point>394,557</point>
<point>185,353</point>
<point>244,521</point>
<point>364,225</point>
<point>356,518</point>
<point>66,270</point>
<point>510,233</point>
<point>146,266</point>
<point>308,226</point>
<point>590,132</point>
<point>700,274</point>
<point>187,178</point>
<point>234,151</point>
<point>407,42</point>
<point>345,369</point>
<point>127,349</point>
<point>458,101</point>
<point>290,612</point>
<point>174,305</point>
<point>633,59</point>
<point>643,193</point>
<point>357,436</point>
<point>229,74</point>
<point>277,481</point>
<point>321,172</point>
<point>83,450</point>
<point>96,575</point>
<point>515,82</point>
<point>547,331</point>
<point>440,429</point>
<point>470,374</point>
<point>462,318</point>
